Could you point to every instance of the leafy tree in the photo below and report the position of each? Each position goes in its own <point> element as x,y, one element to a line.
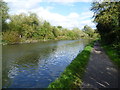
<point>25,25</point>
<point>46,31</point>
<point>4,13</point>
<point>107,17</point>
<point>79,33</point>
<point>88,30</point>
<point>60,27</point>
<point>55,32</point>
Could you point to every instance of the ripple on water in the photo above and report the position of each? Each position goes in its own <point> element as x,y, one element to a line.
<point>37,73</point>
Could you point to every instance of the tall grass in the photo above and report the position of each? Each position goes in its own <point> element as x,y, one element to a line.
<point>112,53</point>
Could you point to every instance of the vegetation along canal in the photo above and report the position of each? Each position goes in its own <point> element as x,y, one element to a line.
<point>36,65</point>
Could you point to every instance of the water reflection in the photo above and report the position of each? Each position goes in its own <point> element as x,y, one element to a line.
<point>37,65</point>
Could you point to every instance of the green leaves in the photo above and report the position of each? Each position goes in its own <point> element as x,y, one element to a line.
<point>107,17</point>
<point>4,14</point>
<point>88,30</point>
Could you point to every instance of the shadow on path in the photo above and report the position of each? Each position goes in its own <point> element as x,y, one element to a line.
<point>100,72</point>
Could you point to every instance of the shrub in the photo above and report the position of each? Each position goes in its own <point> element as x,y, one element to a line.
<point>11,37</point>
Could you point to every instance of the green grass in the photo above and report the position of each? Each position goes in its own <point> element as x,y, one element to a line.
<point>112,53</point>
<point>72,76</point>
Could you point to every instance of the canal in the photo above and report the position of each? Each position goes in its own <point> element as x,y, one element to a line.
<point>36,65</point>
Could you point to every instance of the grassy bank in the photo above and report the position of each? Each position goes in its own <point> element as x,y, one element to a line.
<point>72,76</point>
<point>112,53</point>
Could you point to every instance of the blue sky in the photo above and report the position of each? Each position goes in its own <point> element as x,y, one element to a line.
<point>67,13</point>
<point>65,9</point>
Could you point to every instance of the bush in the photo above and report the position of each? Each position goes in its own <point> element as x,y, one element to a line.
<point>11,37</point>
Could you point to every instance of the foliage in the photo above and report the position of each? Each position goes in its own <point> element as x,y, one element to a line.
<point>107,17</point>
<point>11,37</point>
<point>30,27</point>
<point>4,13</point>
<point>112,53</point>
<point>55,32</point>
<point>88,30</point>
<point>72,76</point>
<point>25,25</point>
<point>60,27</point>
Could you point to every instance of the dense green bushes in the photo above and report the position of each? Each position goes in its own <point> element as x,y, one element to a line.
<point>72,76</point>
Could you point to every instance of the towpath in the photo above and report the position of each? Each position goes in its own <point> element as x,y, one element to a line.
<point>100,72</point>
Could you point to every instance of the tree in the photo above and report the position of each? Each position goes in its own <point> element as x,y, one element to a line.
<point>60,27</point>
<point>79,33</point>
<point>46,31</point>
<point>25,25</point>
<point>107,17</point>
<point>88,30</point>
<point>4,13</point>
<point>55,32</point>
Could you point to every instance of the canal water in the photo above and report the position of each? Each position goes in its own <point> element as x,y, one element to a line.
<point>36,65</point>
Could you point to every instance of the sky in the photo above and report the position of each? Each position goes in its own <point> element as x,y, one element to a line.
<point>66,13</point>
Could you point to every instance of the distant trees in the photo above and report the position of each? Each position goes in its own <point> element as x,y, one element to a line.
<point>28,27</point>
<point>24,27</point>
<point>88,30</point>
<point>60,27</point>
<point>107,17</point>
<point>55,31</point>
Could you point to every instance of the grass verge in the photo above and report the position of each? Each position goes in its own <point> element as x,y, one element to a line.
<point>112,53</point>
<point>72,76</point>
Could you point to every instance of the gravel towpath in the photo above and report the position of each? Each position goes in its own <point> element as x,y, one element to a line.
<point>100,72</point>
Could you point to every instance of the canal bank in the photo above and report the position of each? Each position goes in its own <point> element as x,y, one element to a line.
<point>37,41</point>
<point>73,74</point>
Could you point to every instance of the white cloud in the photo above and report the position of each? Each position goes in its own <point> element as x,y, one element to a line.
<point>71,20</point>
<point>25,4</point>
<point>73,15</point>
<point>86,15</point>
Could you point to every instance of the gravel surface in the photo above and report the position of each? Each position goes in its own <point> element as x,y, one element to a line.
<point>100,72</point>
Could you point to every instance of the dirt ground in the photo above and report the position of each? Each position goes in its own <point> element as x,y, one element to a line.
<point>100,72</point>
